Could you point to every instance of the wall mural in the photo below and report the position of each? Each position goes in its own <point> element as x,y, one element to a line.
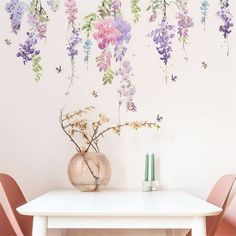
<point>111,33</point>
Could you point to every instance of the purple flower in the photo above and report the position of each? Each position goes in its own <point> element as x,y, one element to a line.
<point>123,37</point>
<point>40,28</point>
<point>72,44</point>
<point>162,37</point>
<point>16,9</point>
<point>184,23</point>
<point>27,50</point>
<point>124,30</point>
<point>226,17</point>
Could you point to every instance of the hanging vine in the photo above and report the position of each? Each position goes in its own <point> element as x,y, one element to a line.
<point>226,18</point>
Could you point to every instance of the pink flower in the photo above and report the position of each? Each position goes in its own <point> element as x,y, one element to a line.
<point>71,10</point>
<point>39,27</point>
<point>104,61</point>
<point>105,33</point>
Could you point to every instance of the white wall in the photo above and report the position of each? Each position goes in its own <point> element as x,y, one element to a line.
<point>195,145</point>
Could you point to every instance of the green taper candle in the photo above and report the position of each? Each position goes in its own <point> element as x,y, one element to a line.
<point>152,167</point>
<point>146,167</point>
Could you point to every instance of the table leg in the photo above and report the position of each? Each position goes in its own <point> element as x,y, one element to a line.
<point>199,226</point>
<point>40,224</point>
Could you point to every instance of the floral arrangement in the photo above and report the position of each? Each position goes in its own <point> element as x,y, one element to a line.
<point>86,135</point>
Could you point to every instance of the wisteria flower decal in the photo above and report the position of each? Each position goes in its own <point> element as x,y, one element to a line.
<point>112,33</point>
<point>226,16</point>
<point>184,22</point>
<point>16,9</point>
<point>74,39</point>
<point>204,9</point>
<point>162,36</point>
<point>37,20</point>
<point>126,89</point>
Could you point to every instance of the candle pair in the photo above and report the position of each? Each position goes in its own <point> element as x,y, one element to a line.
<point>152,167</point>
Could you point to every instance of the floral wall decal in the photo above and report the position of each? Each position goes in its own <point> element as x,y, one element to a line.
<point>109,31</point>
<point>190,106</point>
<point>74,38</point>
<point>112,34</point>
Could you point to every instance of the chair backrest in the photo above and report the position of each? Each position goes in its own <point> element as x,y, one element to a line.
<point>12,197</point>
<point>219,196</point>
<point>227,226</point>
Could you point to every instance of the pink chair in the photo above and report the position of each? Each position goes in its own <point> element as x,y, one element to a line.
<point>218,196</point>
<point>227,226</point>
<point>11,196</point>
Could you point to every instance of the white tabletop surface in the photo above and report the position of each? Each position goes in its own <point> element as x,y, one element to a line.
<point>118,203</point>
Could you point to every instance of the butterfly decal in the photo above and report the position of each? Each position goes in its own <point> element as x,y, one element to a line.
<point>204,65</point>
<point>59,69</point>
<point>186,59</point>
<point>7,41</point>
<point>95,94</point>
<point>159,118</point>
<point>174,77</point>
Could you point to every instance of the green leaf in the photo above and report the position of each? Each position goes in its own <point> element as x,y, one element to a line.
<point>135,9</point>
<point>88,25</point>
<point>36,67</point>
<point>108,77</point>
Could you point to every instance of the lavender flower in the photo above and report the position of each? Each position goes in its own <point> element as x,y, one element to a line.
<point>122,38</point>
<point>184,23</point>
<point>40,28</point>
<point>16,9</point>
<point>226,16</point>
<point>204,9</point>
<point>72,43</point>
<point>119,52</point>
<point>127,89</point>
<point>162,37</point>
<point>124,30</point>
<point>27,50</point>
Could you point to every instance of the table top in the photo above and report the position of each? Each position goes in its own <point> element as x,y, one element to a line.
<point>118,203</point>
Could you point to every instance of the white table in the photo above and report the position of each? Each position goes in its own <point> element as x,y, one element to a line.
<point>118,209</point>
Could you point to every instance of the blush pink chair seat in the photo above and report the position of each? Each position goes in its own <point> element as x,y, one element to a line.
<point>227,226</point>
<point>218,196</point>
<point>11,197</point>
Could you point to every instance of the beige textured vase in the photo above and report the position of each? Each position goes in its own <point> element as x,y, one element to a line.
<point>89,171</point>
